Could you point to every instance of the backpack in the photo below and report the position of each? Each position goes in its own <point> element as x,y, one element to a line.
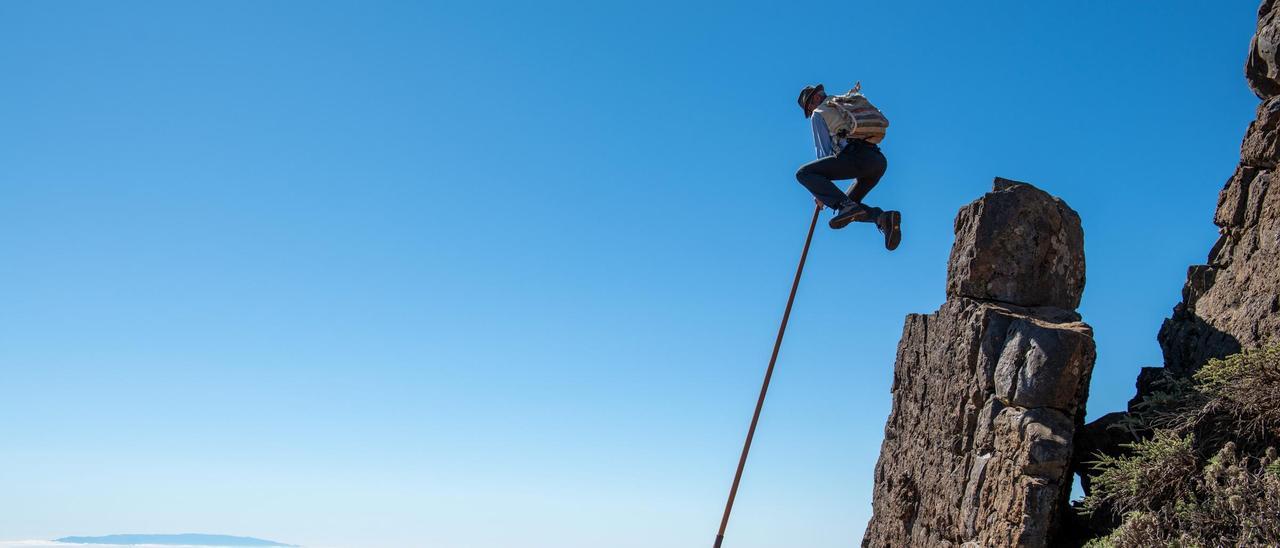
<point>852,116</point>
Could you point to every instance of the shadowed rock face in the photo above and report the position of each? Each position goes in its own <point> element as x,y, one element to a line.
<point>989,390</point>
<point>1233,302</point>
<point>1262,69</point>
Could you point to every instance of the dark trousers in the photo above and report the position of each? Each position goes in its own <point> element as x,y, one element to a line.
<point>859,160</point>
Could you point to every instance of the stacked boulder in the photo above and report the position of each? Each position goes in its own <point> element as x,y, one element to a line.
<point>989,390</point>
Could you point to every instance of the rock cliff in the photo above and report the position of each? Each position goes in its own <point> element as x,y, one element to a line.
<point>989,390</point>
<point>1233,302</point>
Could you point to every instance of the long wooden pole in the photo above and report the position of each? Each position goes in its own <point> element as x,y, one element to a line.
<point>768,374</point>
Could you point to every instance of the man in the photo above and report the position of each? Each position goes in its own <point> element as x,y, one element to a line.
<point>846,131</point>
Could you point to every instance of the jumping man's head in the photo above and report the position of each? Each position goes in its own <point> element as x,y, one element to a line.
<point>810,98</point>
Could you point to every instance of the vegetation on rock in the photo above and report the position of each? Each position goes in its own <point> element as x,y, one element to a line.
<point>1208,475</point>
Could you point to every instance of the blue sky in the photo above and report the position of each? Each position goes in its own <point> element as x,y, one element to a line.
<point>482,275</point>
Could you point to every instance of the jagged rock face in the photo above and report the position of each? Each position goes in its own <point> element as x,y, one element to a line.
<point>1233,302</point>
<point>1018,245</point>
<point>1262,69</point>
<point>987,395</point>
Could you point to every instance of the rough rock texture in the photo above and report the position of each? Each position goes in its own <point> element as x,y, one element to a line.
<point>989,390</point>
<point>1262,69</point>
<point>1022,247</point>
<point>1233,302</point>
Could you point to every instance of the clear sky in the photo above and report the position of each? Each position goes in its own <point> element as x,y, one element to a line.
<point>494,275</point>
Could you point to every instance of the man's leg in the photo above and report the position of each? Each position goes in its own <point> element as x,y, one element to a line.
<point>870,165</point>
<point>860,188</point>
<point>818,174</point>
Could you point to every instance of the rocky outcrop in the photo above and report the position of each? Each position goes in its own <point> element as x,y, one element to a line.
<point>1018,246</point>
<point>989,390</point>
<point>1262,68</point>
<point>1233,302</point>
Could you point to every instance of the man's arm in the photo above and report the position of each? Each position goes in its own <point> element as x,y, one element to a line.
<point>821,137</point>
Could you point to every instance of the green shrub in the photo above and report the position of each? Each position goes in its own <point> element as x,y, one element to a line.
<point>1157,474</point>
<point>1208,475</point>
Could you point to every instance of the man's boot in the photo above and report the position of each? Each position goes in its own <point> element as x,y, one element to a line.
<point>850,211</point>
<point>890,224</point>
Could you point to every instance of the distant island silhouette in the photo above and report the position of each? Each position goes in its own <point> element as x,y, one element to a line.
<point>187,539</point>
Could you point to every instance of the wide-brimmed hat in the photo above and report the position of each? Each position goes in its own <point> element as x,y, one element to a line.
<point>805,94</point>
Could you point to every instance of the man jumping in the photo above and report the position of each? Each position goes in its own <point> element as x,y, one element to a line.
<point>846,133</point>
